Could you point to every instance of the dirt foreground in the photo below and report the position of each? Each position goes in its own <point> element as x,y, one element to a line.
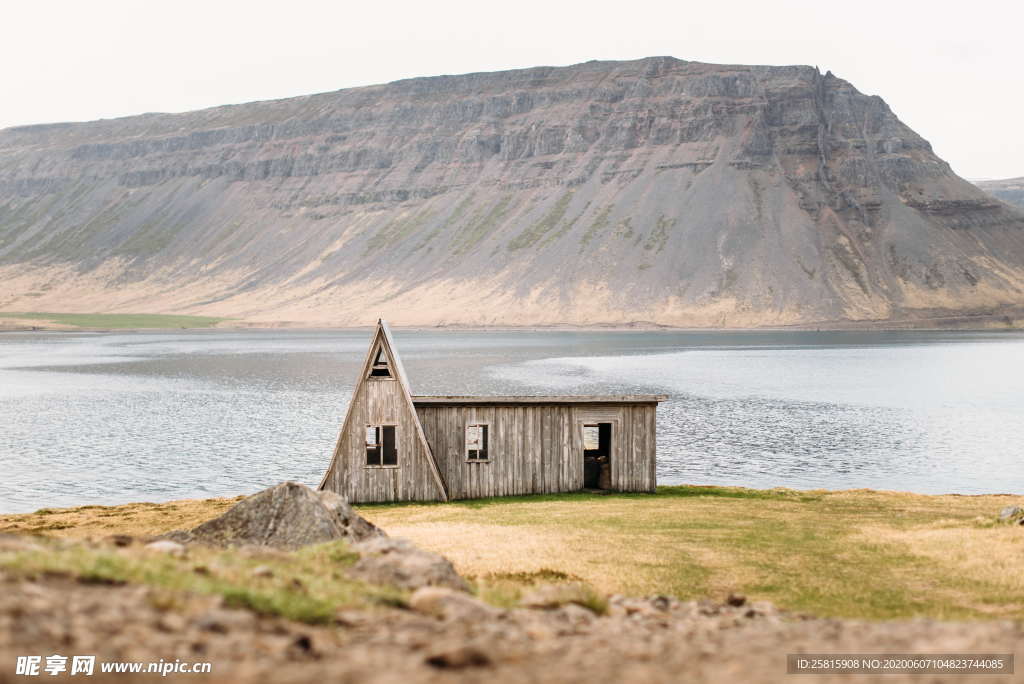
<point>89,582</point>
<point>658,640</point>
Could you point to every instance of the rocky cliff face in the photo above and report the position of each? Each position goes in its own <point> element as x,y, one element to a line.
<point>656,190</point>
<point>1010,190</point>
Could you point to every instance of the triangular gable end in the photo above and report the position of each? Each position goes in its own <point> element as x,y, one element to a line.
<point>390,351</point>
<point>382,363</point>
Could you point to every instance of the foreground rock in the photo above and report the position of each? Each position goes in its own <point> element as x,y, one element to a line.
<point>171,548</point>
<point>449,604</point>
<point>287,516</point>
<point>398,562</point>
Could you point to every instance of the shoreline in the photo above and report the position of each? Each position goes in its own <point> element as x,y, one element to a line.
<point>850,328</point>
<point>983,320</point>
<point>526,498</point>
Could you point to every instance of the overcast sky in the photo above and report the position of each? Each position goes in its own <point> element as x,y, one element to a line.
<point>951,71</point>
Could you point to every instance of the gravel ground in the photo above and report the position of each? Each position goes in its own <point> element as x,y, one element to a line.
<point>449,636</point>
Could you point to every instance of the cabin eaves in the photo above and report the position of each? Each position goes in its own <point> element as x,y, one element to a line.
<point>442,400</point>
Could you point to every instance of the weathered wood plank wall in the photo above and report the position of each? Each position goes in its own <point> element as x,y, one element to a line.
<point>538,448</point>
<point>381,402</point>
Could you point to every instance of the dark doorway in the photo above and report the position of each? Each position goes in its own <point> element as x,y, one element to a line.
<point>597,451</point>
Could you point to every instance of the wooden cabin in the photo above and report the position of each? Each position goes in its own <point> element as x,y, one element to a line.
<point>395,446</point>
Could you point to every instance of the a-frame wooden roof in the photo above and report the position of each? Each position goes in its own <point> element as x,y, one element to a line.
<point>382,339</point>
<point>398,370</point>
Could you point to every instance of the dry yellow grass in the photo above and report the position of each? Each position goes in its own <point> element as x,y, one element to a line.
<point>137,519</point>
<point>852,553</point>
<point>856,553</point>
<point>991,555</point>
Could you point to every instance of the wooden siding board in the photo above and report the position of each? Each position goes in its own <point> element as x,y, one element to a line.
<point>634,449</point>
<point>626,472</point>
<point>512,445</point>
<point>637,470</point>
<point>631,463</point>
<point>567,454</point>
<point>651,452</point>
<point>546,448</point>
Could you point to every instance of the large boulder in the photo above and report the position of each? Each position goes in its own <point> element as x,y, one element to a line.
<point>286,516</point>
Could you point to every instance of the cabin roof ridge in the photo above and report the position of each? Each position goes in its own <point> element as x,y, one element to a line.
<point>539,398</point>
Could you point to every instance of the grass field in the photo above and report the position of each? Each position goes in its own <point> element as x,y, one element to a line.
<point>859,553</point>
<point>116,321</point>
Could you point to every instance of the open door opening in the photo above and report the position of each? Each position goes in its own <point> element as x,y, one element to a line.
<point>597,452</point>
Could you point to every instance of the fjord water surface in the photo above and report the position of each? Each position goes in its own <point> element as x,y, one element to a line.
<point>113,418</point>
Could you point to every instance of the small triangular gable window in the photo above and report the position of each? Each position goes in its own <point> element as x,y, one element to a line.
<point>380,368</point>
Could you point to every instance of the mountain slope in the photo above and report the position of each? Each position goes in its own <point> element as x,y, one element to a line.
<point>656,190</point>
<point>1010,190</point>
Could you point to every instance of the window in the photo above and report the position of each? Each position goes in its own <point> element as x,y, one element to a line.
<point>476,442</point>
<point>380,368</point>
<point>380,445</point>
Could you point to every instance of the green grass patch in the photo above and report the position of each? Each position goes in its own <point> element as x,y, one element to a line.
<point>548,223</point>
<point>481,225</point>
<point>738,493</point>
<point>597,226</point>
<point>118,321</point>
<point>506,589</point>
<point>309,585</point>
<point>680,491</point>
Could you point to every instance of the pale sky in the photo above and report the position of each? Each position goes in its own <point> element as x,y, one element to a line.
<point>952,72</point>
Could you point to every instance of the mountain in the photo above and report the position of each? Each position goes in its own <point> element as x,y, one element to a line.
<point>1010,190</point>
<point>652,191</point>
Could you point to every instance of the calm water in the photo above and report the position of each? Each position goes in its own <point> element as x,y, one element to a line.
<point>91,418</point>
